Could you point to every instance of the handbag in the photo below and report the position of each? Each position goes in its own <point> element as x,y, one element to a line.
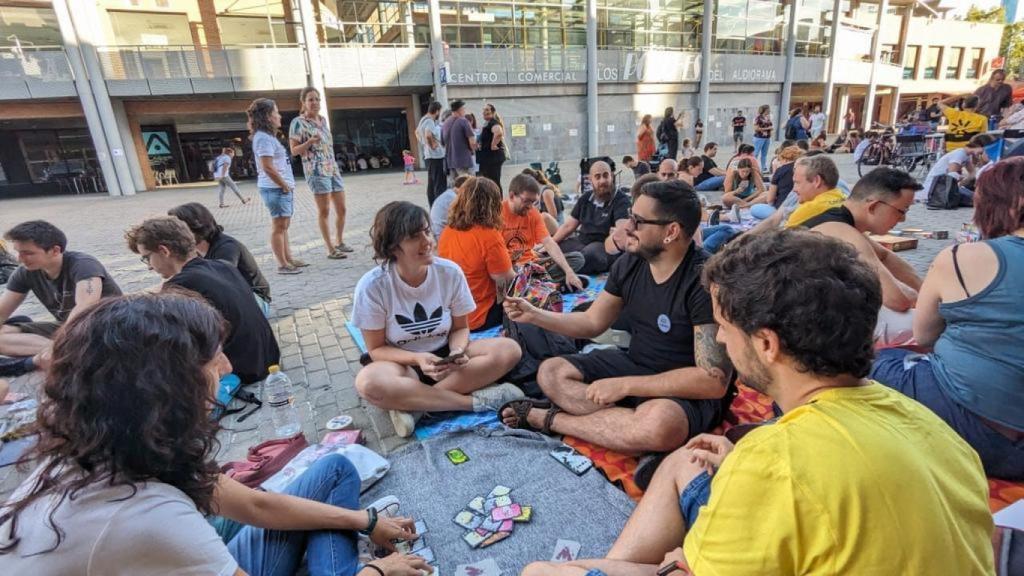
<point>264,460</point>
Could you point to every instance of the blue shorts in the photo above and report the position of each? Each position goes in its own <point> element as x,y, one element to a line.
<point>325,184</point>
<point>279,204</point>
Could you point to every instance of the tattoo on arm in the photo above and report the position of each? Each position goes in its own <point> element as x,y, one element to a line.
<point>90,286</point>
<point>710,355</point>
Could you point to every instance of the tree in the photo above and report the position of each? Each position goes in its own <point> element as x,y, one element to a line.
<point>1012,45</point>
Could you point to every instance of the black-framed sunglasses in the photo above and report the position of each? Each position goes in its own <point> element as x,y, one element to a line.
<point>637,221</point>
<point>900,210</point>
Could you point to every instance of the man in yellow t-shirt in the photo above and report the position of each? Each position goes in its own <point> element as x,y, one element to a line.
<point>815,181</point>
<point>854,478</point>
<point>963,124</point>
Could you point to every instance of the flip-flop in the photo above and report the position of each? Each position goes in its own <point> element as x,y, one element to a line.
<point>523,406</point>
<point>337,255</point>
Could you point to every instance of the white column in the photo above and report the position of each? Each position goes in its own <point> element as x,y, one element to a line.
<point>85,96</point>
<point>124,127</point>
<point>592,126</point>
<point>830,83</point>
<point>311,51</point>
<point>895,111</point>
<point>787,81</point>
<point>437,52</point>
<point>704,97</point>
<point>876,48</point>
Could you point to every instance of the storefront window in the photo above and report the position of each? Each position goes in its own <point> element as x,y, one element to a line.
<point>65,158</point>
<point>749,26</point>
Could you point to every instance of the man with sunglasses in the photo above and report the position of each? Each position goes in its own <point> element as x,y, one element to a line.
<point>877,203</point>
<point>671,383</point>
<point>65,283</point>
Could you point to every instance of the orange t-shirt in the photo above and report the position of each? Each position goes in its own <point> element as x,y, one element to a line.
<point>522,233</point>
<point>480,252</point>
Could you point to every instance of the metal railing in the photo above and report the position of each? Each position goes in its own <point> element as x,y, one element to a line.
<point>43,63</point>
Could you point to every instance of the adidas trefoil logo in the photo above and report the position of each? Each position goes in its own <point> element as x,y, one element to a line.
<point>420,323</point>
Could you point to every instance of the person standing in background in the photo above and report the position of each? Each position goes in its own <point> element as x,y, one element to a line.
<point>994,98</point>
<point>645,140</point>
<point>311,140</point>
<point>668,133</point>
<point>850,120</point>
<point>459,141</point>
<point>818,121</point>
<point>739,124</point>
<point>491,154</point>
<point>762,135</point>
<point>429,135</point>
<point>222,174</point>
<point>698,133</point>
<point>476,139</point>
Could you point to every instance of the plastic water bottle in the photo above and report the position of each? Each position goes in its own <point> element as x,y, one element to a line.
<point>277,391</point>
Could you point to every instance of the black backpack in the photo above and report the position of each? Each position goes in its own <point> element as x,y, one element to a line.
<point>791,128</point>
<point>944,193</point>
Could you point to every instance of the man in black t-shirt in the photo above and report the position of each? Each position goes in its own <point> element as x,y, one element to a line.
<point>739,124</point>
<point>596,214</point>
<point>713,177</point>
<point>168,247</point>
<point>65,283</point>
<point>669,386</point>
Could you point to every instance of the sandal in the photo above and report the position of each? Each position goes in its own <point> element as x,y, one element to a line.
<point>298,263</point>
<point>523,406</point>
<point>337,255</point>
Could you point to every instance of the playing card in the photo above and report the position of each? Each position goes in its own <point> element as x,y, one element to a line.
<point>489,505</point>
<point>490,525</point>
<point>527,512</point>
<point>506,526</point>
<point>565,551</point>
<point>477,504</point>
<point>483,532</point>
<point>474,539</point>
<point>420,527</point>
<point>506,512</point>
<point>418,544</point>
<point>500,491</point>
<point>502,501</point>
<point>494,539</point>
<point>457,456</point>
<point>403,547</point>
<point>427,554</point>
<point>468,520</point>
<point>486,567</point>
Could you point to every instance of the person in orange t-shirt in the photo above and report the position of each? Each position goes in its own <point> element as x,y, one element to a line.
<point>523,228</point>
<point>473,240</point>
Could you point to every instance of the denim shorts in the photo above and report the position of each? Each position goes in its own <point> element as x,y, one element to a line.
<point>325,184</point>
<point>694,496</point>
<point>279,204</point>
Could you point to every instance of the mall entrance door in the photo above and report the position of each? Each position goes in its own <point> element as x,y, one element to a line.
<point>369,135</point>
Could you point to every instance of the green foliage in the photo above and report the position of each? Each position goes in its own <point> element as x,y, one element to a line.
<point>1012,44</point>
<point>994,16</point>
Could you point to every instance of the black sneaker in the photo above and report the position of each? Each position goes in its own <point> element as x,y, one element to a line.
<point>646,468</point>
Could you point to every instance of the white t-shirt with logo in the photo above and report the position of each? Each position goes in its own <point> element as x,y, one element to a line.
<point>417,319</point>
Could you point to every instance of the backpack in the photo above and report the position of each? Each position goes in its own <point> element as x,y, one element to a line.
<point>229,389</point>
<point>944,193</point>
<point>791,128</point>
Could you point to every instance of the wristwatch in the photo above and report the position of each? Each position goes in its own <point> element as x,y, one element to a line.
<point>372,513</point>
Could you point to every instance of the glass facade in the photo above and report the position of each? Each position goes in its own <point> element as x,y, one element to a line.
<point>23,27</point>
<point>750,26</point>
<point>956,56</point>
<point>931,62</point>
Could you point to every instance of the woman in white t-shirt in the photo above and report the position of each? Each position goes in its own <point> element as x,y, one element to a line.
<point>413,311</point>
<point>127,471</point>
<point>275,181</point>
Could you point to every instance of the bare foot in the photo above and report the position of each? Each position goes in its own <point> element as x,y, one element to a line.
<point>535,417</point>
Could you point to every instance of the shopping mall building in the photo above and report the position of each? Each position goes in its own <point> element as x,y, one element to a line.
<point>121,96</point>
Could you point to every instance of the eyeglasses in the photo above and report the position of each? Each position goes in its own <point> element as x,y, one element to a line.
<point>637,221</point>
<point>900,210</point>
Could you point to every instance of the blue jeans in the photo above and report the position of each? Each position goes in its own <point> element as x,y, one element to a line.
<point>713,183</point>
<point>966,197</point>
<point>714,237</point>
<point>912,375</point>
<point>761,151</point>
<point>261,552</point>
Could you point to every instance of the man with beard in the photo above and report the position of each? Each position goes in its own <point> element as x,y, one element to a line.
<point>854,478</point>
<point>523,228</point>
<point>593,218</point>
<point>670,385</point>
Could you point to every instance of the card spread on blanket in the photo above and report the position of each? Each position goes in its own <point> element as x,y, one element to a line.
<point>486,567</point>
<point>489,520</point>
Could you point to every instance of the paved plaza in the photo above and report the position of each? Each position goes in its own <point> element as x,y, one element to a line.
<point>309,310</point>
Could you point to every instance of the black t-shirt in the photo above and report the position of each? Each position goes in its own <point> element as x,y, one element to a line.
<point>738,124</point>
<point>58,295</point>
<point>933,113</point>
<point>661,317</point>
<point>233,252</point>
<point>641,168</point>
<point>708,165</point>
<point>250,344</point>
<point>783,180</point>
<point>837,214</point>
<point>597,221</point>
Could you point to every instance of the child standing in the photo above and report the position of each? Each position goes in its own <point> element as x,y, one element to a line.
<point>687,149</point>
<point>410,164</point>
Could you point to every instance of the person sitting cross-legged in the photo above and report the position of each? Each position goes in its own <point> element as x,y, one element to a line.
<point>65,283</point>
<point>413,311</point>
<point>168,247</point>
<point>878,202</point>
<point>969,309</point>
<point>595,216</point>
<point>854,478</point>
<point>669,385</point>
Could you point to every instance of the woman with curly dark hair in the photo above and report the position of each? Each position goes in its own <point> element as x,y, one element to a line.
<point>276,181</point>
<point>127,472</point>
<point>473,240</point>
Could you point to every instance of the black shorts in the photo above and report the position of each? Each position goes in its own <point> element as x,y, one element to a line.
<point>443,351</point>
<point>702,415</point>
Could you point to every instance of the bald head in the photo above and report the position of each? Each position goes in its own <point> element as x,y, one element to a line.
<point>667,169</point>
<point>601,179</point>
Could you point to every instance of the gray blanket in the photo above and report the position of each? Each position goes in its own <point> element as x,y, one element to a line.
<point>586,509</point>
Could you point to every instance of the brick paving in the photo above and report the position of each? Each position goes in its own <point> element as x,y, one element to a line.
<point>309,310</point>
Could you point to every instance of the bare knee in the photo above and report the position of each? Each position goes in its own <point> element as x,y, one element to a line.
<point>371,384</point>
<point>553,372</point>
<point>655,433</point>
<point>506,353</point>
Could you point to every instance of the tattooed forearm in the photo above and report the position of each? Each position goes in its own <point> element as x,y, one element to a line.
<point>710,355</point>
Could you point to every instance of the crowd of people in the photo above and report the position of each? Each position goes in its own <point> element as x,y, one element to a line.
<point>803,308</point>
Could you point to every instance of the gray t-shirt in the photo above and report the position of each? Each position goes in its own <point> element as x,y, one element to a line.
<point>110,532</point>
<point>58,295</point>
<point>264,144</point>
<point>457,133</point>
<point>428,124</point>
<point>439,211</point>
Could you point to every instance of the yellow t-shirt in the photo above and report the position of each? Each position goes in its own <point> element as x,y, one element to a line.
<point>859,481</point>
<point>807,210</point>
<point>963,125</point>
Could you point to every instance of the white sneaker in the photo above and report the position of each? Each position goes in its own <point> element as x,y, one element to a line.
<point>386,507</point>
<point>495,396</point>
<point>404,422</point>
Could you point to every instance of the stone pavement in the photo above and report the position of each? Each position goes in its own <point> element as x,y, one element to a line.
<point>308,310</point>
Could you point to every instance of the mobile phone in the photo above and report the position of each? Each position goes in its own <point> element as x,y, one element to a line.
<point>451,358</point>
<point>571,459</point>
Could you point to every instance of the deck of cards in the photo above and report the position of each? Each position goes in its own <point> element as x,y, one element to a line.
<point>490,520</point>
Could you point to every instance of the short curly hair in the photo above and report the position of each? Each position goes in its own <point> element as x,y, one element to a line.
<point>811,290</point>
<point>166,231</point>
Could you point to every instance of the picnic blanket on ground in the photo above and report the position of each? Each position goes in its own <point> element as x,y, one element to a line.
<point>585,509</point>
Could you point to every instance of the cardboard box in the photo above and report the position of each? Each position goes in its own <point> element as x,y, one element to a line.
<point>896,243</point>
